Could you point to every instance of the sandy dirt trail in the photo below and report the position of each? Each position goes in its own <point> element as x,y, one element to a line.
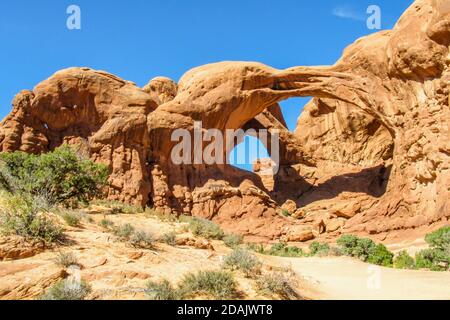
<point>346,278</point>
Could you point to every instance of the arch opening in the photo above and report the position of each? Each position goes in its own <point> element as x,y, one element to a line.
<point>247,152</point>
<point>291,110</point>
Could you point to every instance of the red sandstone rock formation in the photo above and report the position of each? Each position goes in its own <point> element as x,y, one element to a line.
<point>371,152</point>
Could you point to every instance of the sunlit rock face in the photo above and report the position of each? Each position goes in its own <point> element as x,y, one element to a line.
<point>370,153</point>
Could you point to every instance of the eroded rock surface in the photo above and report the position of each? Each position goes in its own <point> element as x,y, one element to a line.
<point>371,152</point>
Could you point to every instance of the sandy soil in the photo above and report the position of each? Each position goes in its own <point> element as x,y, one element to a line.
<point>114,269</point>
<point>117,271</point>
<point>344,278</point>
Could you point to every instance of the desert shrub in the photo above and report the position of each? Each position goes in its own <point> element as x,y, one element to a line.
<point>317,248</point>
<point>23,217</point>
<point>106,223</point>
<point>169,238</point>
<point>347,243</point>
<point>67,290</point>
<point>439,239</point>
<point>162,290</point>
<point>138,239</point>
<point>404,261</point>
<point>72,218</point>
<point>256,247</point>
<point>205,228</point>
<point>243,260</point>
<point>365,249</point>
<point>433,259</point>
<point>218,284</point>
<point>278,284</point>
<point>118,207</point>
<point>123,232</point>
<point>233,240</point>
<point>283,250</point>
<point>142,239</point>
<point>437,257</point>
<point>61,175</point>
<point>66,259</point>
<point>381,256</point>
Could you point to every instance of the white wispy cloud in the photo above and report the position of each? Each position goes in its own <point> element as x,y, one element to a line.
<point>348,13</point>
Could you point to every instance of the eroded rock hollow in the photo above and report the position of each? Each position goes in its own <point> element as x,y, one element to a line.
<point>370,154</point>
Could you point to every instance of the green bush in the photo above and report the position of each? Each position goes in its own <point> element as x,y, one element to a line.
<point>440,239</point>
<point>23,217</point>
<point>162,290</point>
<point>67,290</point>
<point>218,284</point>
<point>278,284</point>
<point>233,240</point>
<point>61,176</point>
<point>205,228</point>
<point>437,257</point>
<point>365,249</point>
<point>404,261</point>
<point>66,259</point>
<point>72,219</point>
<point>106,224</point>
<point>142,239</point>
<point>124,232</point>
<point>317,248</point>
<point>381,256</point>
<point>433,259</point>
<point>347,243</point>
<point>169,238</point>
<point>283,250</point>
<point>243,260</point>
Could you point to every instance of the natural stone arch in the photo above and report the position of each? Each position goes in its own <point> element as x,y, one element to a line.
<point>399,77</point>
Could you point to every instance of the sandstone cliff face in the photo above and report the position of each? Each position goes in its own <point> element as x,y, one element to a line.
<point>371,152</point>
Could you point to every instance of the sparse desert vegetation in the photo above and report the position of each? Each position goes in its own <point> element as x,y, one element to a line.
<point>215,284</point>
<point>169,238</point>
<point>243,260</point>
<point>404,261</point>
<point>62,176</point>
<point>279,285</point>
<point>67,290</point>
<point>69,224</point>
<point>23,217</point>
<point>66,259</point>
<point>233,240</point>
<point>205,228</point>
<point>72,218</point>
<point>163,290</point>
<point>437,257</point>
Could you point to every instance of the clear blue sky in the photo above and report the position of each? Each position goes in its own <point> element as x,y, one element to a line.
<point>140,39</point>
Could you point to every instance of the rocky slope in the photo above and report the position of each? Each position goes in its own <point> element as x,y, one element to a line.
<point>117,270</point>
<point>371,152</point>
